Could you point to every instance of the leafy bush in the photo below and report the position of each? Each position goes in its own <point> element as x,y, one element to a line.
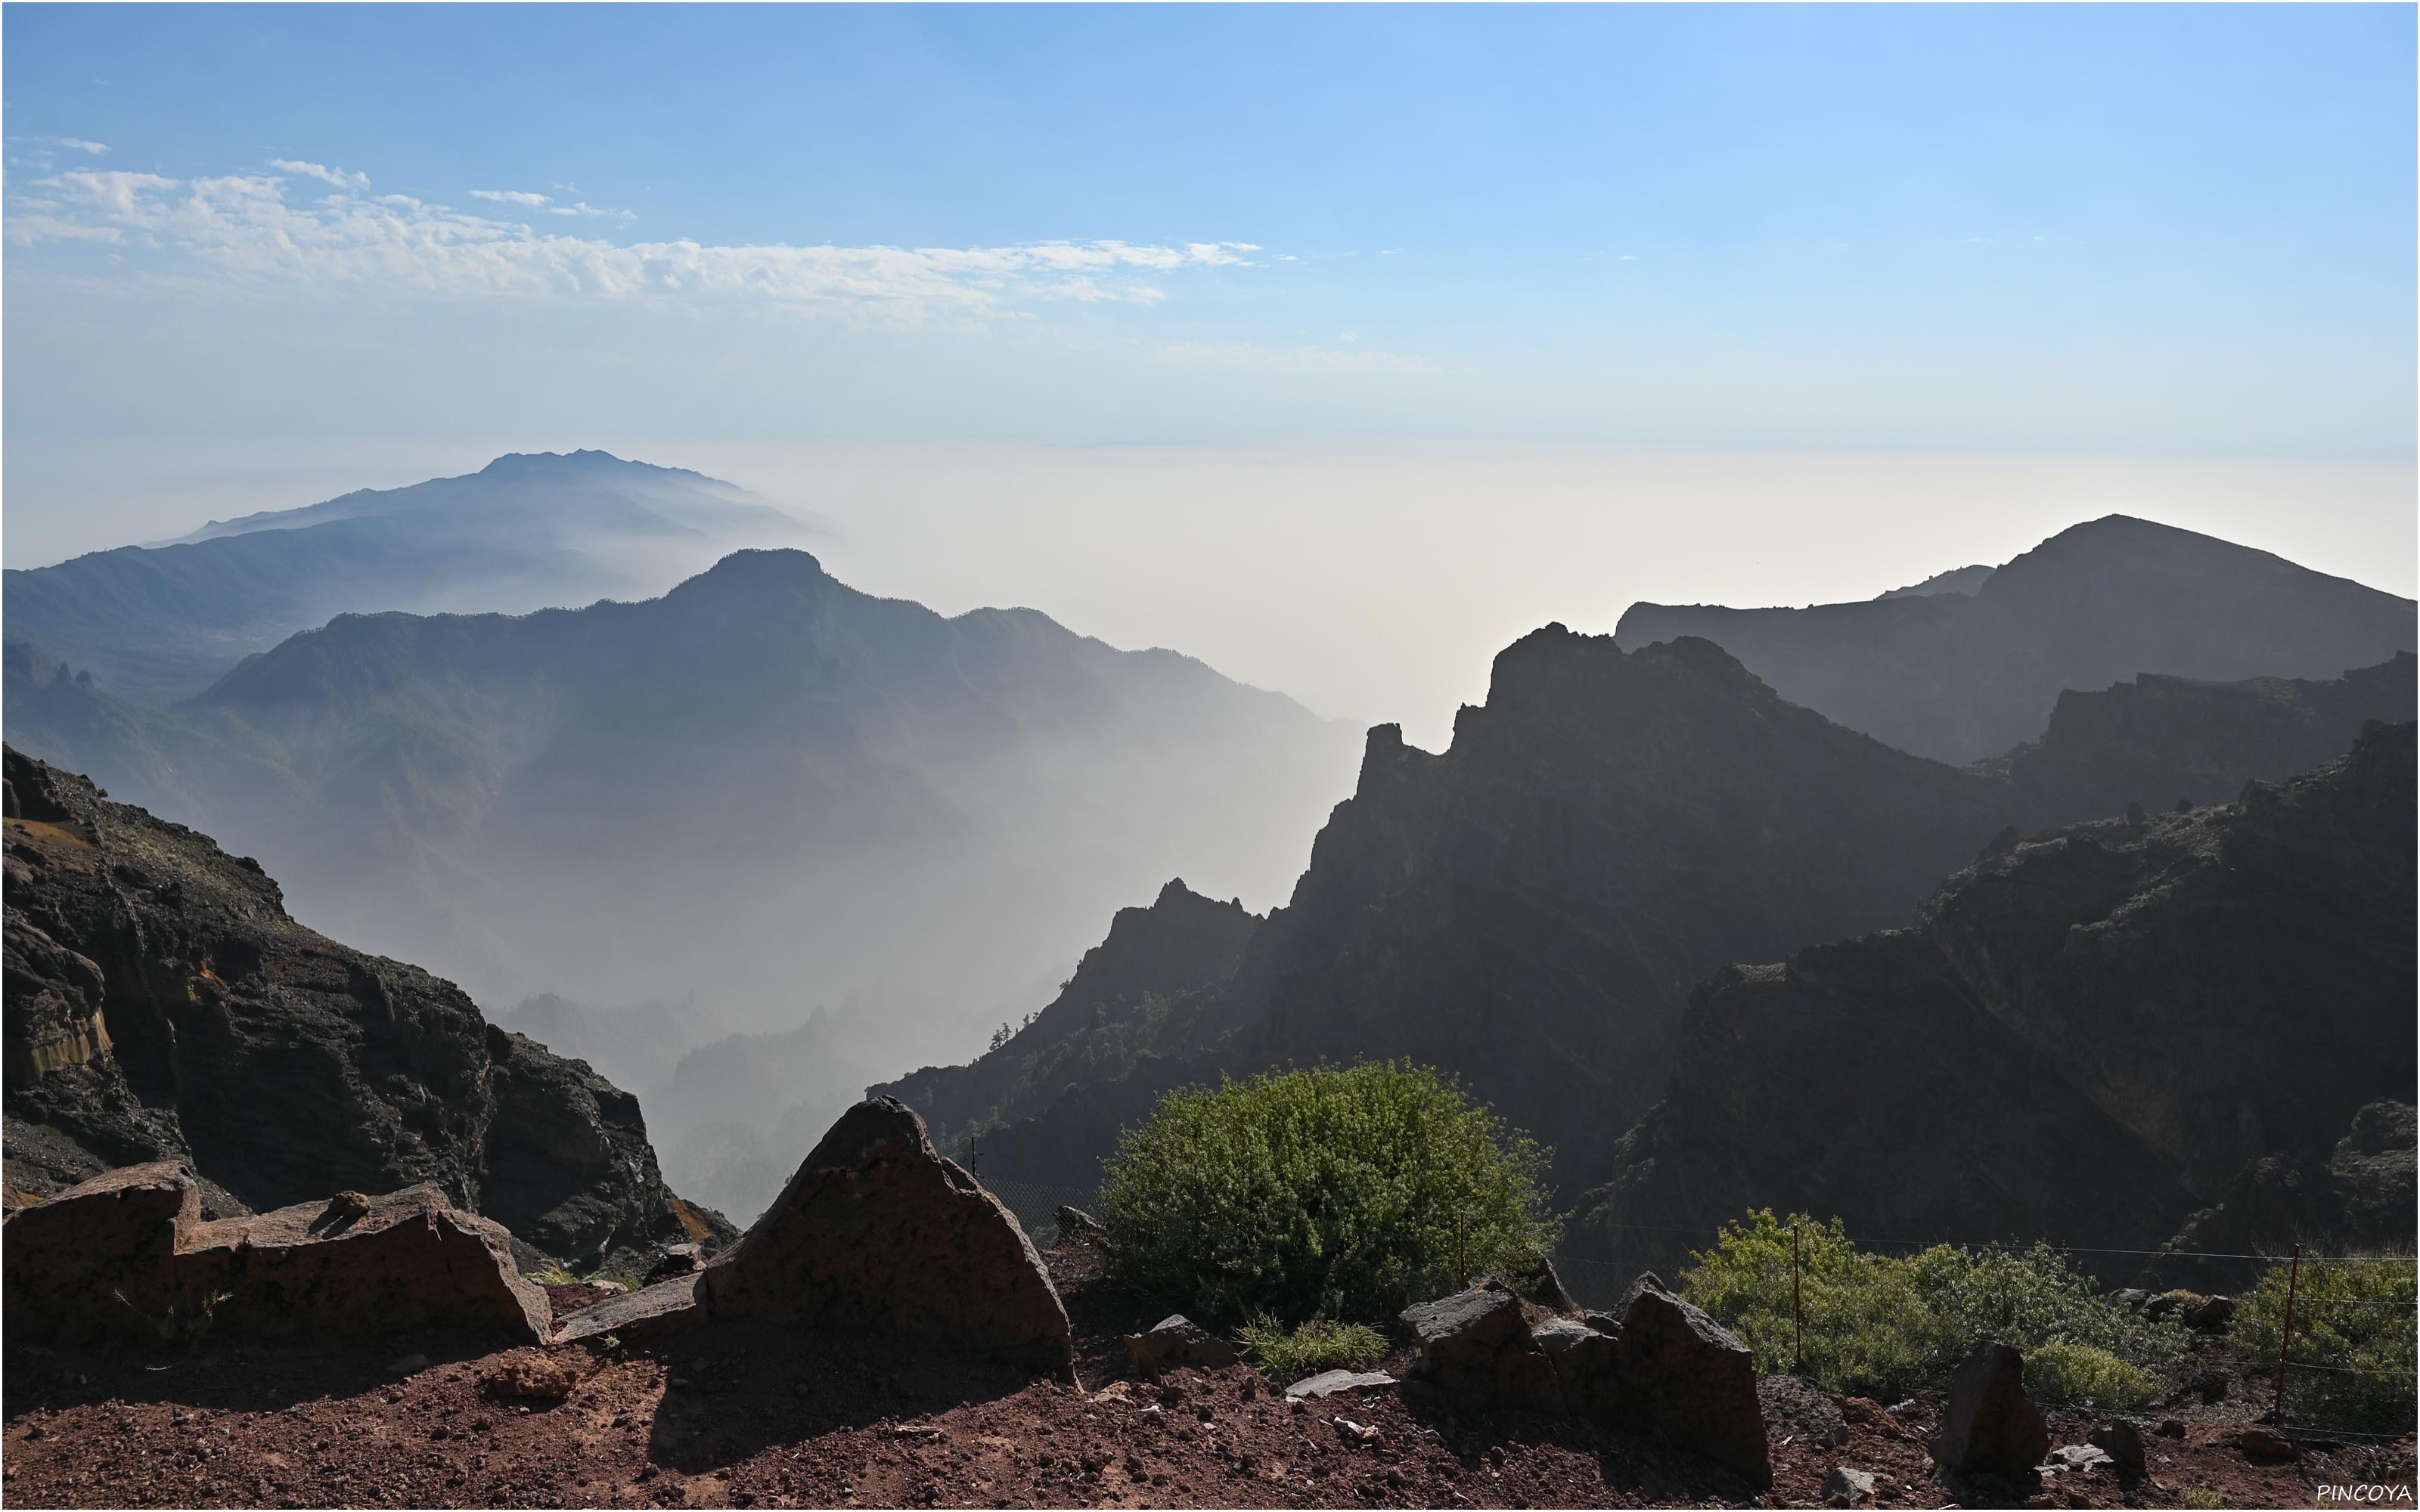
<point>2200,1496</point>
<point>1341,1194</point>
<point>1878,1324</point>
<point>2078,1375</point>
<point>2034,1299</point>
<point>1868,1330</point>
<point>1290,1354</point>
<point>2356,1318</point>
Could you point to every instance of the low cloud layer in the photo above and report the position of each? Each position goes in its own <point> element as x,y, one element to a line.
<point>273,227</point>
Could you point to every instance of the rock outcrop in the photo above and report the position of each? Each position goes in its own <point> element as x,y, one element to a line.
<point>2160,741</point>
<point>1990,1425</point>
<point>1526,909</point>
<point>1665,1368</point>
<point>1154,965</point>
<point>2355,1198</point>
<point>2081,1038</point>
<point>1966,676</point>
<point>1475,1348</point>
<point>1688,1379</point>
<point>879,1233</point>
<point>1177,1340</point>
<point>162,1005</point>
<point>129,1255</point>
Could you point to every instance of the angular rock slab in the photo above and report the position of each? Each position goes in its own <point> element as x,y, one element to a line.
<point>1177,1340</point>
<point>1585,1367</point>
<point>1991,1424</point>
<point>1328,1382</point>
<point>1685,1376</point>
<point>1475,1348</point>
<point>878,1234</point>
<point>666,1305</point>
<point>126,1255</point>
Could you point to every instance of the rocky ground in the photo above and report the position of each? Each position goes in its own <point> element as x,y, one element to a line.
<point>746,1415</point>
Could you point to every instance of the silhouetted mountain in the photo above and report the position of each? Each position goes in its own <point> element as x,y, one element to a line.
<point>159,623</point>
<point>764,786</point>
<point>2082,1037</point>
<point>1532,908</point>
<point>1529,908</point>
<point>162,1005</point>
<point>1963,676</point>
<point>1963,580</point>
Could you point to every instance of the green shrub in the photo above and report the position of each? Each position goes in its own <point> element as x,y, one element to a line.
<point>1877,1324</point>
<point>1868,1330</point>
<point>2356,1318</point>
<point>2079,1375</point>
<point>2200,1496</point>
<point>1341,1194</point>
<point>2034,1298</point>
<point>1289,1354</point>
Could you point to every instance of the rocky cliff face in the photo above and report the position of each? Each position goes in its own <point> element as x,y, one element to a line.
<point>1529,908</point>
<point>163,1006</point>
<point>1132,994</point>
<point>2084,1036</point>
<point>2159,740</point>
<point>1964,676</point>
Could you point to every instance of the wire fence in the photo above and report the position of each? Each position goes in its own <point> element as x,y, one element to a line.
<point>1599,1264</point>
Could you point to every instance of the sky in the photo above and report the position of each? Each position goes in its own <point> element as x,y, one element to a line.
<point>1736,303</point>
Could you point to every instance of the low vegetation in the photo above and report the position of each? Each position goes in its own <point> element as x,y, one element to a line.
<point>1337,1194</point>
<point>1879,1324</point>
<point>2353,1326</point>
<point>1289,1354</point>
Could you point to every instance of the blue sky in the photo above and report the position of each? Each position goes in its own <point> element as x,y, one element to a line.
<point>2169,229</point>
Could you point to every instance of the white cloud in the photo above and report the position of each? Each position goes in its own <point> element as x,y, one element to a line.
<point>75,144</point>
<point>338,177</point>
<point>246,228</point>
<point>583,207</point>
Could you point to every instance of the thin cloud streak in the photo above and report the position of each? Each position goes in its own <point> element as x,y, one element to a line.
<point>246,228</point>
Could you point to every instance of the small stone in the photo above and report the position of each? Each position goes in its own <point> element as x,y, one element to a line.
<point>2170,1428</point>
<point>2266,1444</point>
<point>1845,1487</point>
<point>2119,1440</point>
<point>1328,1382</point>
<point>411,1364</point>
<point>2081,1456</point>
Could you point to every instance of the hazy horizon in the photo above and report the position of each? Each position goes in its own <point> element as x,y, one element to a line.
<point>1379,582</point>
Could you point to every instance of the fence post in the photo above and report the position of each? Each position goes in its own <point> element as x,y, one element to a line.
<point>2285,1338</point>
<point>1797,1311</point>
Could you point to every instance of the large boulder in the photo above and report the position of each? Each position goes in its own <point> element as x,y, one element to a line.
<point>1991,1424</point>
<point>878,1233</point>
<point>127,1255</point>
<point>1687,1379</point>
<point>1475,1348</point>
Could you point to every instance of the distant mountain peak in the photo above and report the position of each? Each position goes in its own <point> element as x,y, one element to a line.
<point>586,461</point>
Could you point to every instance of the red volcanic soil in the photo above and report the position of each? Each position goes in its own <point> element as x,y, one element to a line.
<point>749,1416</point>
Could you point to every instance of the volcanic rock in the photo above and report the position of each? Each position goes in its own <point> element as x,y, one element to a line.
<point>2141,1008</point>
<point>162,1005</point>
<point>1476,1348</point>
<point>129,1255</point>
<point>1990,1424</point>
<point>1798,1409</point>
<point>1176,1340</point>
<point>1844,1486</point>
<point>2123,1443</point>
<point>1329,1382</point>
<point>878,1233</point>
<point>1687,1379</point>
